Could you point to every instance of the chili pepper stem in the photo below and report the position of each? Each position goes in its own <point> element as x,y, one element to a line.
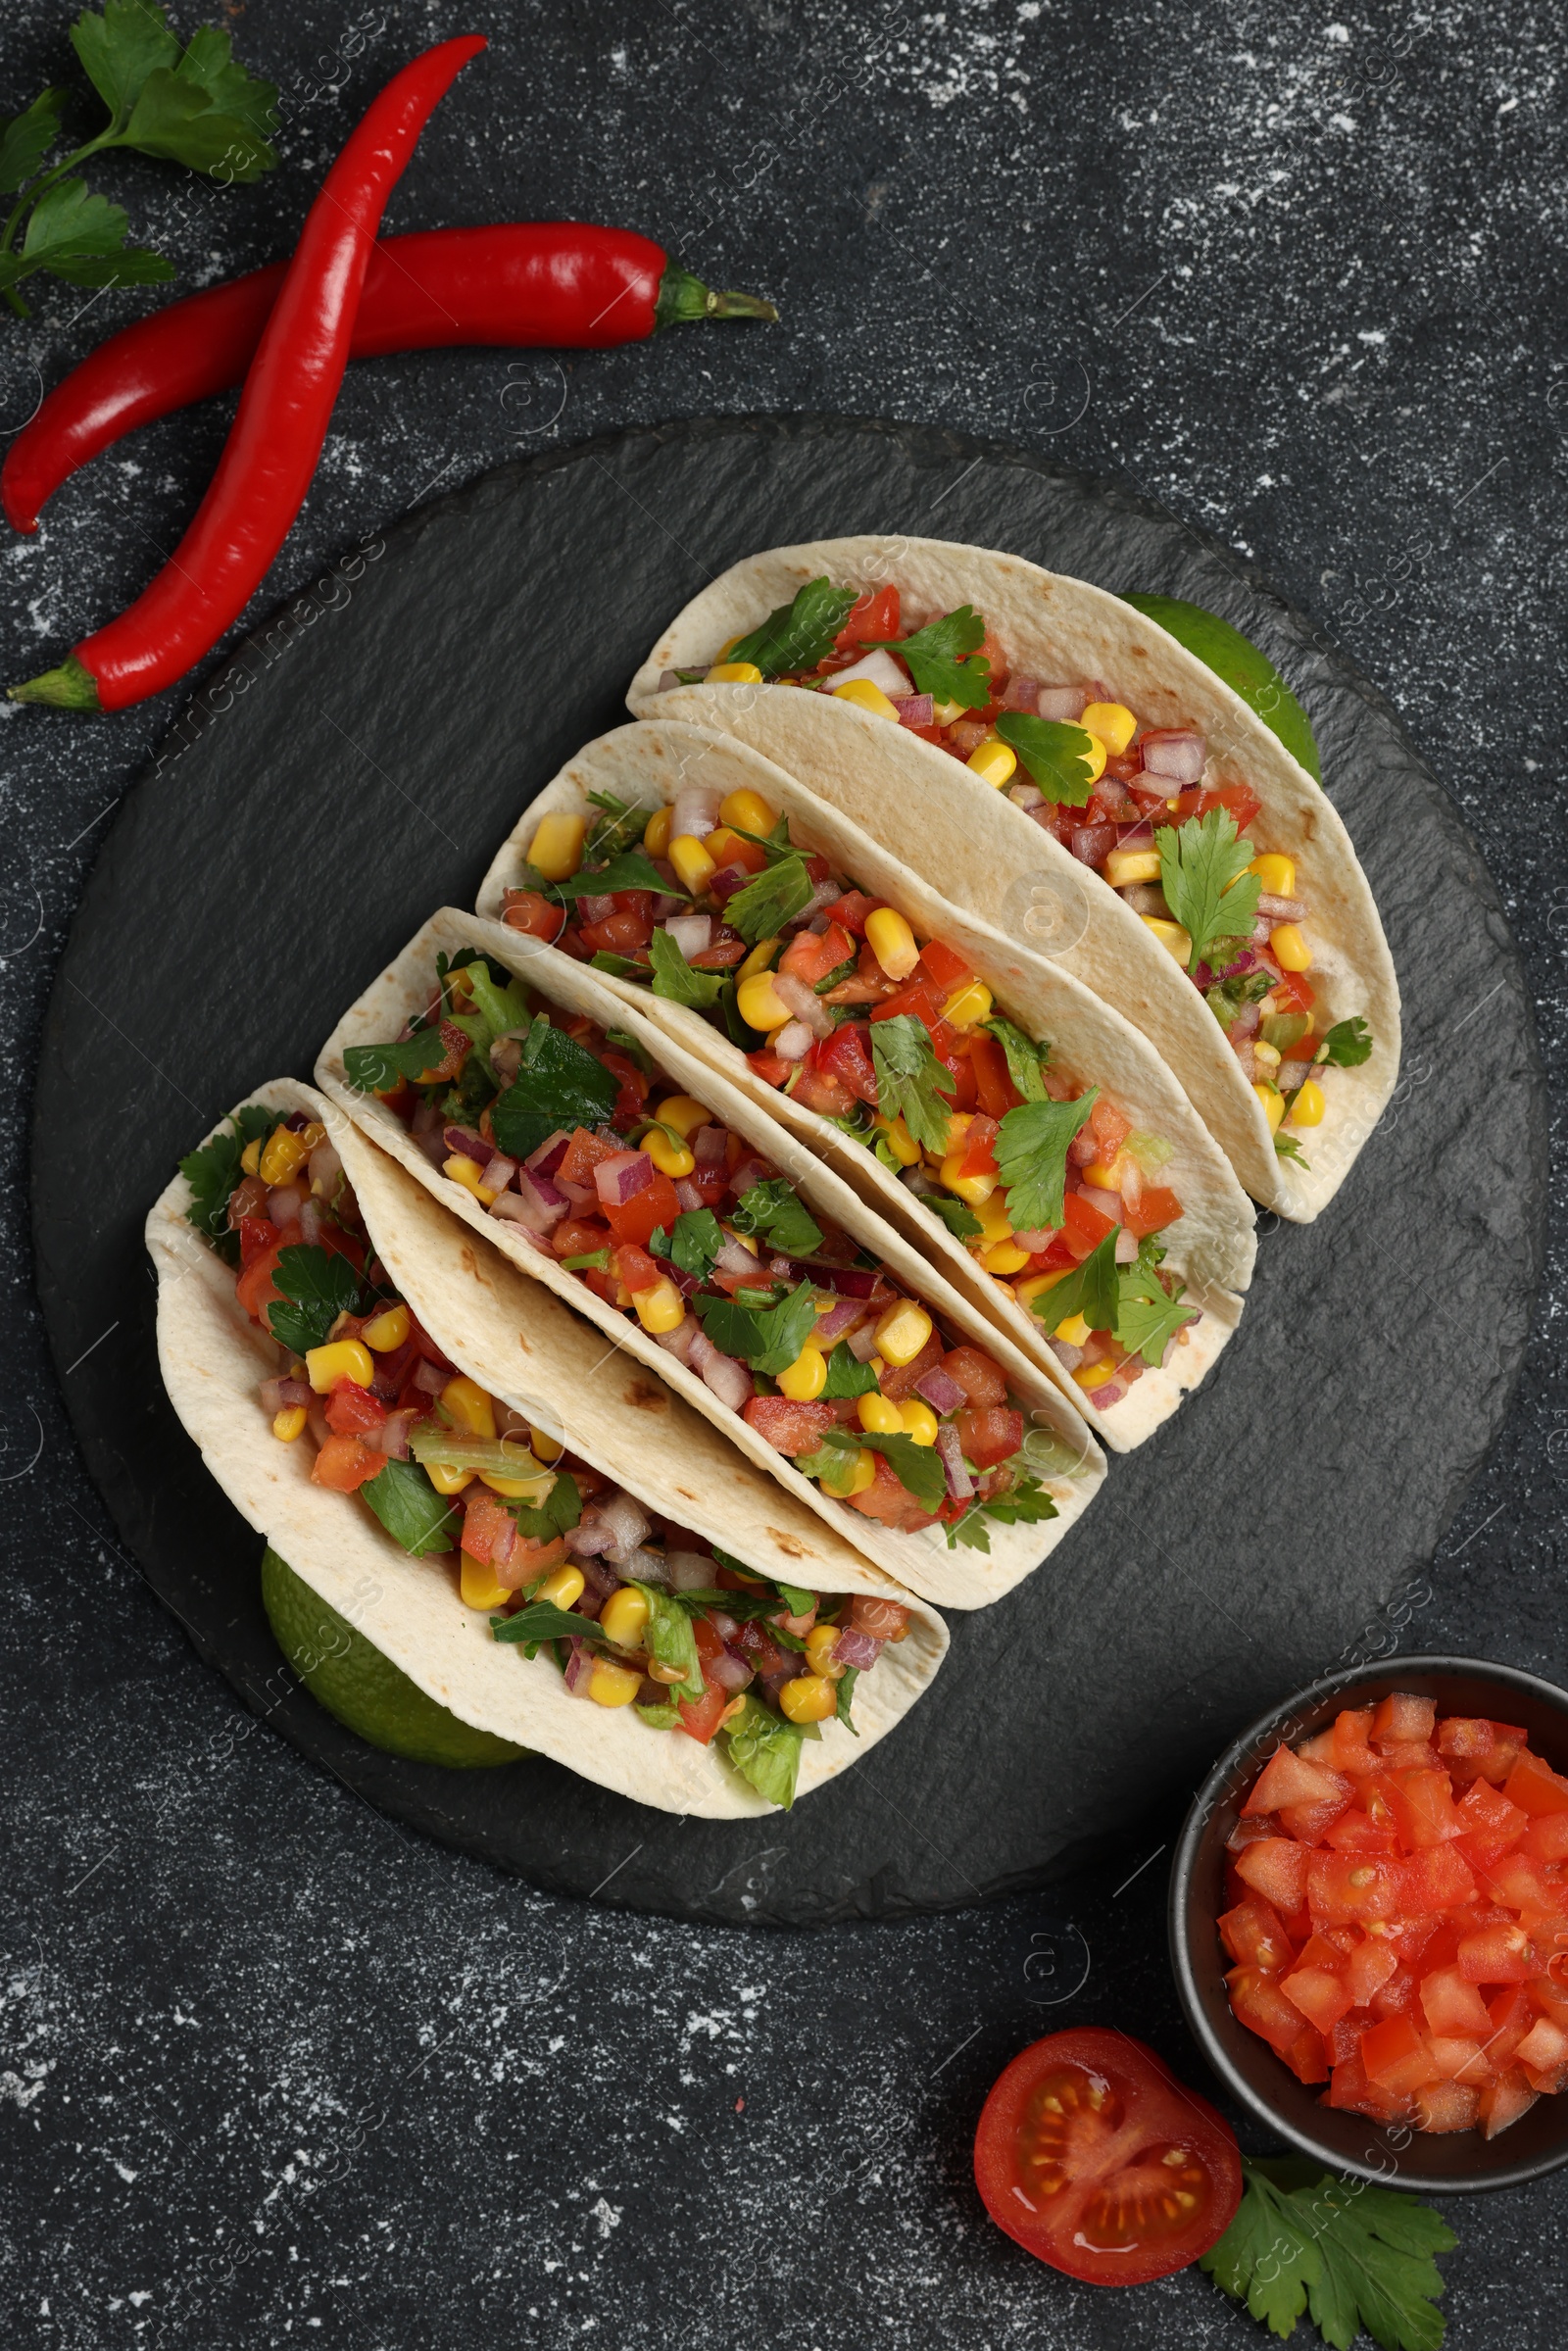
<point>70,687</point>
<point>683,298</point>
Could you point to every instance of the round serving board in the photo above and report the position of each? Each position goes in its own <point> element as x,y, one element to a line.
<point>356,765</point>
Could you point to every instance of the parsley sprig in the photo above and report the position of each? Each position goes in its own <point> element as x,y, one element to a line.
<point>798,634</point>
<point>1353,2255</point>
<point>910,1079</point>
<point>937,658</point>
<point>1031,1154</point>
<point>213,1172</point>
<point>189,105</point>
<point>1056,756</point>
<point>1203,871</point>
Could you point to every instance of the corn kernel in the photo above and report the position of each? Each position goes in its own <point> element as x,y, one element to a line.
<point>556,849</point>
<point>1103,1178</point>
<point>467,1403</point>
<point>387,1330</point>
<point>694,867</point>
<point>524,1486</point>
<point>287,1424</point>
<point>1125,866</point>
<point>286,1152</point>
<point>1291,950</point>
<point>250,1157</point>
<point>1112,721</point>
<point>900,1141</point>
<point>993,761</point>
<point>1265,1057</point>
<point>968,1006</point>
<point>469,1174</point>
<point>1096,755</point>
<point>661,1307</point>
<point>1277,874</point>
<point>728,646</point>
<point>721,843</point>
<point>976,1189</point>
<point>892,942</point>
<point>478,1585</point>
<point>1093,1375</point>
<point>611,1684</point>
<point>759,960</point>
<point>901,1331</point>
<point>748,812</point>
<point>447,1481</point>
<point>562,1587</point>
<point>674,1160</point>
<point>1073,1330</point>
<point>995,1222</point>
<point>805,1377</point>
<point>820,1643</point>
<point>546,1449</point>
<point>864,1473</point>
<point>1004,1257</point>
<point>734,674</point>
<point>1038,1284</point>
<point>919,1421</point>
<point>809,1698</point>
<point>340,1359</point>
<point>1171,935</point>
<point>761,1005</point>
<point>682,1112</point>
<point>878,1415</point>
<point>624,1617</point>
<point>1308,1105</point>
<point>1272,1102</point>
<point>656,835</point>
<point>865,697</point>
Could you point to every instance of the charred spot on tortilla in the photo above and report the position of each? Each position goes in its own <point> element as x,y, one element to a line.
<point>645,1395</point>
<point>790,1545</point>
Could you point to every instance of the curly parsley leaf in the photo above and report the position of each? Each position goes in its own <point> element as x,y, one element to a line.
<point>1356,2256</point>
<point>559,1083</point>
<point>1147,1316</point>
<point>910,1079</point>
<point>936,659</point>
<point>542,1620</point>
<point>1025,1504</point>
<point>765,1751</point>
<point>676,981</point>
<point>317,1286</point>
<point>770,899</point>
<point>213,1171</point>
<point>1026,1055</point>
<point>1031,1155</point>
<point>1349,1041</point>
<point>1090,1289</point>
<point>1203,871</point>
<point>798,634</point>
<point>1054,755</point>
<point>766,1337</point>
<point>380,1068</point>
<point>773,1210</point>
<point>631,870</point>
<point>846,1375</point>
<point>957,1214</point>
<point>413,1513</point>
<point>695,1244</point>
<point>557,1514</point>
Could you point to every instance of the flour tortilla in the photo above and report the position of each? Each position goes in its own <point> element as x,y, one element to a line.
<point>512,1337</point>
<point>1214,1245</point>
<point>981,850</point>
<point>960,1578</point>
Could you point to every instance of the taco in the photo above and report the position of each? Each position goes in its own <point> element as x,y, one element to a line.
<point>560,1556</point>
<point>638,1184</point>
<point>1019,1133</point>
<point>1056,763</point>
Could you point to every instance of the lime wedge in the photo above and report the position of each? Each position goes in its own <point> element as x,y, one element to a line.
<point>1247,671</point>
<point>370,1696</point>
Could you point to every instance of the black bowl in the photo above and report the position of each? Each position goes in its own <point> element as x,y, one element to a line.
<point>1457,2163</point>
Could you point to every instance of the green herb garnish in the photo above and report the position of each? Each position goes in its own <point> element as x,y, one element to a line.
<point>558,1084</point>
<point>1204,874</point>
<point>935,658</point>
<point>770,899</point>
<point>910,1079</point>
<point>425,1523</point>
<point>766,1339</point>
<point>213,1173</point>
<point>1356,2256</point>
<point>318,1284</point>
<point>1056,756</point>
<point>798,634</point>
<point>1348,1042</point>
<point>1031,1155</point>
<point>675,979</point>
<point>773,1210</point>
<point>1027,1057</point>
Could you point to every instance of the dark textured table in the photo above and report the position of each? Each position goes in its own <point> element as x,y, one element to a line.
<point>273,2065</point>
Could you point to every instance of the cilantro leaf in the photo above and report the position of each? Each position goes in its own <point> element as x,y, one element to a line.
<point>542,1620</point>
<point>1031,1155</point>
<point>770,899</point>
<point>910,1078</point>
<point>1350,1042</point>
<point>618,824</point>
<point>668,1639</point>
<point>845,1692</point>
<point>695,1244</point>
<point>213,1171</point>
<point>1057,757</point>
<point>1203,871</point>
<point>1090,1289</point>
<point>674,978</point>
<point>1357,2256</point>
<point>846,1375</point>
<point>1026,1055</point>
<point>27,138</point>
<point>632,870</point>
<point>81,238</point>
<point>1227,997</point>
<point>194,107</point>
<point>934,657</point>
<point>1286,1147</point>
<point>831,1460</point>
<point>413,1513</point>
<point>317,1286</point>
<point>1025,1504</point>
<point>174,118</point>
<point>557,1514</point>
<point>798,634</point>
<point>918,1467</point>
<point>765,1751</point>
<point>378,1068</point>
<point>795,1596</point>
<point>957,1214</point>
<point>119,49</point>
<point>1148,1316</point>
<point>559,1083</point>
<point>772,1209</point>
<point>766,1337</point>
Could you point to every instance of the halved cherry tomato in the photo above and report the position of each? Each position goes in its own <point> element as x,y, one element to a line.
<point>1095,2158</point>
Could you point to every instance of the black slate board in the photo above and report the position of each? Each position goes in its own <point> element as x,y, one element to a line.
<point>357,763</point>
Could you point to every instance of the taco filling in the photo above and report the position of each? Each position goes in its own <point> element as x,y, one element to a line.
<point>1125,799</point>
<point>635,1610</point>
<point>569,1131</point>
<point>836,1002</point>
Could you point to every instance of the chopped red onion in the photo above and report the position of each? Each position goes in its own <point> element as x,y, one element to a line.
<point>1242,1047</point>
<point>669,679</point>
<point>916,709</point>
<point>693,934</point>
<point>941,1394</point>
<point>847,1281</point>
<point>627,1521</point>
<point>1092,843</point>
<point>430,1378</point>
<point>1248,1019</point>
<point>1065,704</point>
<point>392,1437</point>
<point>1022,694</point>
<point>283,1204</point>
<point>1175,751</point>
<point>1281,909</point>
<point>589,1538</point>
<point>727,1671</point>
<point>500,1170</point>
<point>666,903</point>
<point>426,1114</point>
<point>1066,1354</point>
<point>620,1178</point>
<point>510,1208</point>
<point>687,1193</point>
<point>735,1258</point>
<point>1108,1202</point>
<point>1136,836</point>
<point>856,1648</point>
<point>678,1342</point>
<point>548,1157</point>
<point>467,1143</point>
<point>960,1486</point>
<point>747,1172</point>
<point>708,1145</point>
<point>721,1374</point>
<point>1288,1077</point>
<point>791,1042</point>
<point>839,1321</point>
<point>537,1203</point>
<point>861,1344</point>
<point>695,814</point>
<point>1126,1248</point>
<point>1027,796</point>
<point>578,1195</point>
<point>803,1002</point>
<point>880,667</point>
<point>1035,1238</point>
<point>579,1668</point>
<point>822,896</point>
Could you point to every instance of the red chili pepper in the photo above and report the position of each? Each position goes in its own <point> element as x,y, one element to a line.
<point>274,443</point>
<point>520,284</point>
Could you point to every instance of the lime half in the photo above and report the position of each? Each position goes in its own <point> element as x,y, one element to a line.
<point>370,1696</point>
<point>1247,671</point>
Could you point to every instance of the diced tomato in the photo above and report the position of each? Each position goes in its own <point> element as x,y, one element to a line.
<point>583,1154</point>
<point>871,620</point>
<point>1254,1936</point>
<point>1316,1984</point>
<point>255,1289</point>
<point>945,967</point>
<point>851,910</point>
<point>982,1379</point>
<point>1402,1717</point>
<point>1347,1888</point>
<point>811,958</point>
<point>1499,1953</point>
<point>1276,1867</point>
<point>1504,2101</point>
<point>1241,800</point>
<point>769,1067</point>
<point>1288,1779</point>
<point>1308,1824</point>
<point>488,1527</point>
<point>1354,1833</point>
<point>1436,1879</point>
<point>961,1068</point>
<point>1109,1128</point>
<point>1367,1969</point>
<point>1396,2055</point>
<point>1263,2007</point>
<point>638,1218</point>
<point>1535,1788</point>
<point>579,1237</point>
<point>901,1380</point>
<point>636,1268</point>
<point>1422,1804</point>
<point>989,1433</point>
<point>1353,1735</point>
<point>1492,1826</point>
<point>818,1089</point>
<point>352,1410</point>
<point>257,1235</point>
<point>344,1463</point>
<point>888,1500</point>
<point>700,1717</point>
<point>617,934</point>
<point>1154,1209</point>
<point>1543,2053</point>
<point>918,996</point>
<point>1545,1838</point>
<point>790,1428</point>
<point>603,1284</point>
<point>979,1154</point>
<point>995,1090</point>
<point>1083,1226</point>
<point>533,914</point>
<point>1308,2055</point>
<point>845,1056</point>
